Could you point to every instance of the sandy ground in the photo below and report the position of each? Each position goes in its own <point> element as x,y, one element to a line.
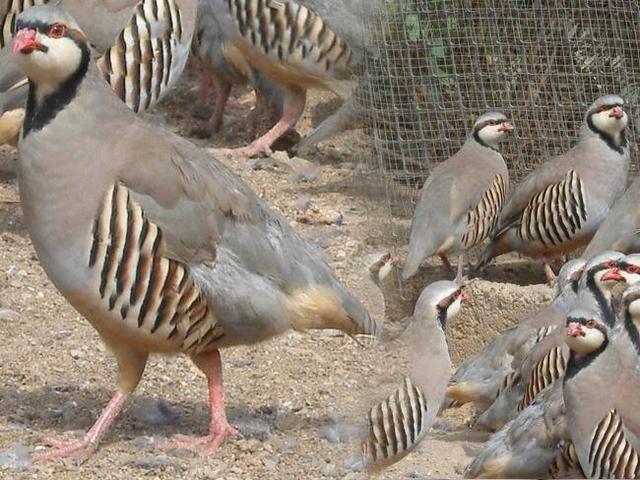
<point>296,400</point>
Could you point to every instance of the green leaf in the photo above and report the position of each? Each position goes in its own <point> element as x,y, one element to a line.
<point>412,27</point>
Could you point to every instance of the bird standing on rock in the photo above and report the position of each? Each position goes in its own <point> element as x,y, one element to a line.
<point>159,246</point>
<point>462,198</point>
<point>559,206</point>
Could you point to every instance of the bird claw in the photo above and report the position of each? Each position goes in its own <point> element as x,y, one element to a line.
<point>79,450</point>
<point>205,445</point>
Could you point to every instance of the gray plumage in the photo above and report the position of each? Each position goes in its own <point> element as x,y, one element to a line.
<point>527,445</point>
<point>161,247</point>
<point>461,200</point>
<point>560,205</point>
<point>397,424</point>
<point>621,229</point>
<point>481,378</point>
<point>601,392</point>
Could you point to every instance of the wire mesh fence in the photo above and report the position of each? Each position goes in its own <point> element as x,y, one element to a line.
<point>441,63</point>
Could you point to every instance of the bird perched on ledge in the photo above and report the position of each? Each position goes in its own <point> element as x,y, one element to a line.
<point>159,246</point>
<point>559,206</point>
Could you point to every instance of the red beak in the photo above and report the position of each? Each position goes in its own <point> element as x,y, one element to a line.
<point>464,297</point>
<point>506,127</point>
<point>394,260</point>
<point>612,274</point>
<point>25,41</point>
<point>617,112</point>
<point>574,329</point>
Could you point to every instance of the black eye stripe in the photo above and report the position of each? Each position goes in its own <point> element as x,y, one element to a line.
<point>40,27</point>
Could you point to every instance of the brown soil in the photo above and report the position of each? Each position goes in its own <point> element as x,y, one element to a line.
<point>295,398</point>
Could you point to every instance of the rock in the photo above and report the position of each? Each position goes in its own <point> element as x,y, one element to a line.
<point>64,412</point>
<point>304,203</point>
<point>16,457</point>
<point>7,315</point>
<point>337,432</point>
<point>154,463</point>
<point>288,444</point>
<point>155,412</point>
<point>249,426</point>
<point>300,169</point>
<point>354,464</point>
<point>329,470</point>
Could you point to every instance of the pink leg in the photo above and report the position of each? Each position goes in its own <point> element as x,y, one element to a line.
<point>222,95</point>
<point>548,271</point>
<point>202,110</point>
<point>82,449</point>
<point>446,262</point>
<point>293,108</point>
<point>219,427</point>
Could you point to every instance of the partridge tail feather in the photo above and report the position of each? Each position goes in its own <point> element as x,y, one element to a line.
<point>321,308</point>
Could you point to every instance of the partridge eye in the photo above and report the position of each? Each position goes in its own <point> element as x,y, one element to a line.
<point>591,324</point>
<point>491,122</point>
<point>632,269</point>
<point>611,264</point>
<point>603,108</point>
<point>57,30</point>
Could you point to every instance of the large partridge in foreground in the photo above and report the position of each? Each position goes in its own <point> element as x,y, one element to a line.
<point>559,206</point>
<point>162,248</point>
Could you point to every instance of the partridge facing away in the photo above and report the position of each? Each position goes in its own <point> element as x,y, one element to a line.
<point>621,229</point>
<point>222,65</point>
<point>601,392</point>
<point>397,424</point>
<point>159,246</point>
<point>144,46</point>
<point>461,200</point>
<point>481,378</point>
<point>299,44</point>
<point>560,205</point>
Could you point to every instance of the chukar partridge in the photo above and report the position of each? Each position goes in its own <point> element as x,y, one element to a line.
<point>299,44</point>
<point>462,198</point>
<point>398,423</point>
<point>221,66</point>
<point>144,46</point>
<point>601,392</point>
<point>541,362</point>
<point>559,206</point>
<point>528,444</point>
<point>621,229</point>
<point>160,247</point>
<point>481,378</point>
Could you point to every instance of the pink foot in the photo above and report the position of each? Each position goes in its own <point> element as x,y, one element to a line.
<point>205,445</point>
<point>79,450</point>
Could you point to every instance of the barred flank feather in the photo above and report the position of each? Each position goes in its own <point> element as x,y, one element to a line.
<point>135,280</point>
<point>556,214</point>
<point>482,220</point>
<point>396,425</point>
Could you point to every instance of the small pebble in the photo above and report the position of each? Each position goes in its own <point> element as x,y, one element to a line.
<point>329,470</point>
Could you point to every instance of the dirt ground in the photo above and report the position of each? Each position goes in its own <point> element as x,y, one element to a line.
<point>296,400</point>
